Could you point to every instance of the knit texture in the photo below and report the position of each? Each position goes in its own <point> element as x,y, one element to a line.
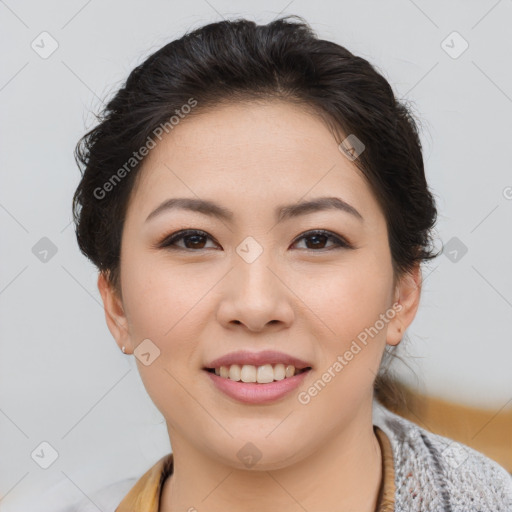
<point>436,474</point>
<point>432,474</point>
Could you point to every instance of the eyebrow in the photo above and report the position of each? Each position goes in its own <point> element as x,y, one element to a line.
<point>285,212</point>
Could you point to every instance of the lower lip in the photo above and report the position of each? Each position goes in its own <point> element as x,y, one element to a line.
<point>254,393</point>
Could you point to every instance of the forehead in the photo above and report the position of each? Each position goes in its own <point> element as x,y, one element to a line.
<point>259,152</point>
<point>250,127</point>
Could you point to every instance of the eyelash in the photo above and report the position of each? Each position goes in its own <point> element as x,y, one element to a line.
<point>168,241</point>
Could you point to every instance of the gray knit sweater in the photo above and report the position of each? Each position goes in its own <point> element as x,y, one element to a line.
<point>435,474</point>
<point>432,474</point>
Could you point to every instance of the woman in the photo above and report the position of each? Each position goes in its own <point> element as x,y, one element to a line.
<point>255,201</point>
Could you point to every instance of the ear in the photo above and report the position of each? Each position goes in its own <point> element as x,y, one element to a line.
<point>114,313</point>
<point>407,298</point>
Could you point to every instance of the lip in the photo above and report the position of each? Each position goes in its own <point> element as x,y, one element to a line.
<point>254,393</point>
<point>272,357</point>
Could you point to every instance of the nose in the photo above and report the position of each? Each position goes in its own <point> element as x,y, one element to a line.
<point>256,295</point>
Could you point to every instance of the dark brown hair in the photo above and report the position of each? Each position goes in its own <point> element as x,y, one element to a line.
<point>237,60</point>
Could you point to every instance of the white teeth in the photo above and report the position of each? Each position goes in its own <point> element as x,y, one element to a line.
<point>247,374</point>
<point>234,372</point>
<point>264,374</point>
<point>279,372</point>
<point>260,374</point>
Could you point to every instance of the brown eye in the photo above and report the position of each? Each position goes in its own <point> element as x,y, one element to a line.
<point>192,239</point>
<point>320,237</point>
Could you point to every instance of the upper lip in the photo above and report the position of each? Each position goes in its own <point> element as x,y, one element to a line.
<point>242,357</point>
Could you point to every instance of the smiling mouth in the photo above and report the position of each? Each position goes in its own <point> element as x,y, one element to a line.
<point>212,370</point>
<point>250,373</point>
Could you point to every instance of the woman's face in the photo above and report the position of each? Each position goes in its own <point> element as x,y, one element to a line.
<point>252,281</point>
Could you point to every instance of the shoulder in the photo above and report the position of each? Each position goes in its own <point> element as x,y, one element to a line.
<point>433,472</point>
<point>105,499</point>
<point>123,494</point>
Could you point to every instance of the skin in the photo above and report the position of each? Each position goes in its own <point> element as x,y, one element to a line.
<point>297,297</point>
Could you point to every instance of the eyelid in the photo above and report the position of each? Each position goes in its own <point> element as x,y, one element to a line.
<point>343,241</point>
<point>168,240</point>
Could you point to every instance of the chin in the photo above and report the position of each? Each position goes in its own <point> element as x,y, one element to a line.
<point>258,452</point>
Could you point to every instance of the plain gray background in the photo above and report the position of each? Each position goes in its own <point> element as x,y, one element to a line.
<point>63,379</point>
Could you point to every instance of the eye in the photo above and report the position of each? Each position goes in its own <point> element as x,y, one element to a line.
<point>320,236</point>
<point>196,239</point>
<point>192,237</point>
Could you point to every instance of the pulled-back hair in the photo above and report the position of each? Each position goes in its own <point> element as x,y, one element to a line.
<point>238,60</point>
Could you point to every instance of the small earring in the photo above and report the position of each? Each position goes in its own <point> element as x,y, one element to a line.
<point>124,349</point>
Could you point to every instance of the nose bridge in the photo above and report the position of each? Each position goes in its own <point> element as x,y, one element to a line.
<point>253,268</point>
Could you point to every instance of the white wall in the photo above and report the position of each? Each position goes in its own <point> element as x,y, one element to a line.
<point>63,379</point>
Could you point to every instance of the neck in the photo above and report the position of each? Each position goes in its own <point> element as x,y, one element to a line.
<point>343,474</point>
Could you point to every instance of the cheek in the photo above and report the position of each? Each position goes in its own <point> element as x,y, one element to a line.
<point>350,355</point>
<point>169,306</point>
<point>348,299</point>
<point>352,335</point>
<point>158,295</point>
<point>164,305</point>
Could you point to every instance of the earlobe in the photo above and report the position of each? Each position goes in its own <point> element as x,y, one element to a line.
<point>114,313</point>
<point>407,296</point>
